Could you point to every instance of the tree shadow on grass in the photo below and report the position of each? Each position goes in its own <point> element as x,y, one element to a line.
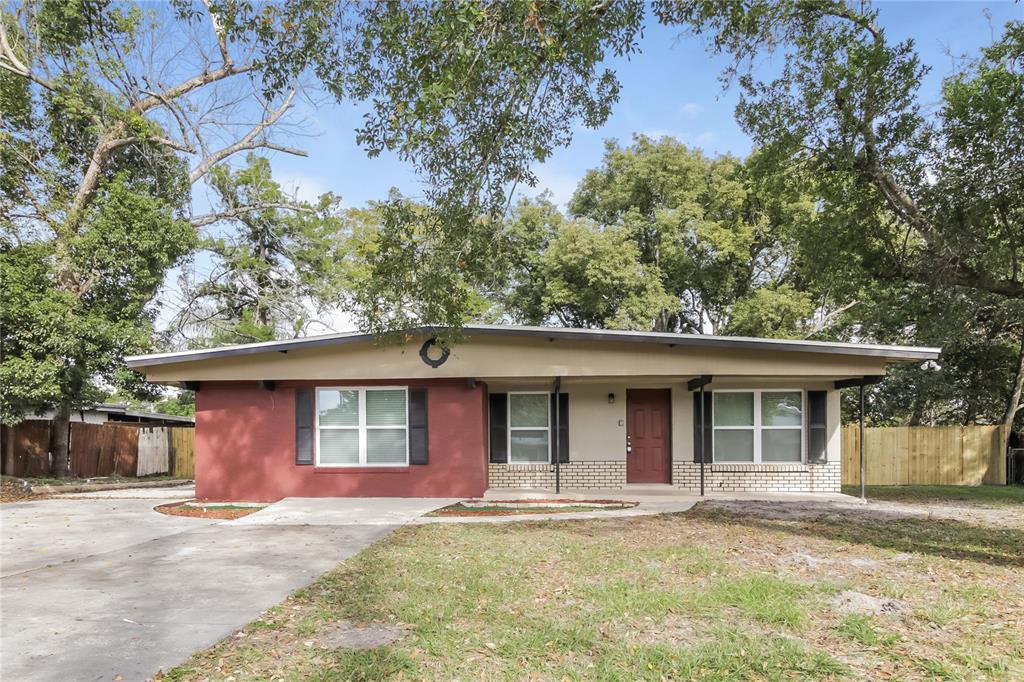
<point>945,538</point>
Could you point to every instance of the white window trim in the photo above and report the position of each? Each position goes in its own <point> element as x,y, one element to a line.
<point>510,428</point>
<point>362,427</point>
<point>758,427</point>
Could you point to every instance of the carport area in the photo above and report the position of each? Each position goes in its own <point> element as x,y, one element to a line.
<point>99,585</point>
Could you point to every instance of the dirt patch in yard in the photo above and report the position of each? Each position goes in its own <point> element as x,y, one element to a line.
<point>213,512</point>
<point>850,601</point>
<point>358,636</point>
<point>517,507</point>
<point>1007,517</point>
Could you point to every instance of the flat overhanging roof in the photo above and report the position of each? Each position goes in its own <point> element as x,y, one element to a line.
<point>889,353</point>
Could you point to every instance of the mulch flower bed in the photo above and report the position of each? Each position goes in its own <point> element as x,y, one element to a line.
<point>223,512</point>
<point>517,507</point>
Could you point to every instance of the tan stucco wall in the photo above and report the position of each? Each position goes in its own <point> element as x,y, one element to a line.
<point>597,429</point>
<point>504,357</point>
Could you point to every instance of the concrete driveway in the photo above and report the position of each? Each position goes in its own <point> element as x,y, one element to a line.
<point>99,585</point>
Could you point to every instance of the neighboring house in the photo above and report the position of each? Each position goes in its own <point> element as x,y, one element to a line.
<point>116,412</point>
<point>338,415</point>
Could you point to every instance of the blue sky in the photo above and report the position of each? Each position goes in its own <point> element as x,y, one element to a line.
<point>671,88</point>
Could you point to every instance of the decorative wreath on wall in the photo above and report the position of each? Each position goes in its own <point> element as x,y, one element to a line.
<point>433,353</point>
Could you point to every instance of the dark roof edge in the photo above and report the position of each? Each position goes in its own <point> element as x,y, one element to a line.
<point>896,353</point>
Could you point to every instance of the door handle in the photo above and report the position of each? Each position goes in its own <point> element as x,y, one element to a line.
<point>629,445</point>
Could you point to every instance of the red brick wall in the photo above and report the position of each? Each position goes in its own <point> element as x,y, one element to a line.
<point>245,446</point>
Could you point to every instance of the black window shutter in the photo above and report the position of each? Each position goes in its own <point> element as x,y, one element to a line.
<point>418,449</point>
<point>498,416</point>
<point>563,428</point>
<point>817,426</point>
<point>304,407</point>
<point>708,433</point>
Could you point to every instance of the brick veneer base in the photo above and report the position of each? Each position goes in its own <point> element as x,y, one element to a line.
<point>760,478</point>
<point>574,475</point>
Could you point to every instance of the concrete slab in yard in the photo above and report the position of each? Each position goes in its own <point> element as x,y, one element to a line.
<point>47,532</point>
<point>95,588</point>
<point>343,511</point>
<point>166,494</point>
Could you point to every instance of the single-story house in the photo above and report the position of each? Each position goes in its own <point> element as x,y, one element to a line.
<point>516,407</point>
<point>119,413</point>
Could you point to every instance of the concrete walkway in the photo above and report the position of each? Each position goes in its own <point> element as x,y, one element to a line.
<point>343,511</point>
<point>98,585</point>
<point>651,500</point>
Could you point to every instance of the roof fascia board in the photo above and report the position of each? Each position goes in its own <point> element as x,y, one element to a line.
<point>892,353</point>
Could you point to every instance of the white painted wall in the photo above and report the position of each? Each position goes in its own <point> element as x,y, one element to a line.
<point>87,416</point>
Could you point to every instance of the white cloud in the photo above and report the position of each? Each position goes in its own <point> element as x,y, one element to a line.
<point>705,139</point>
<point>690,110</point>
<point>702,140</point>
<point>304,187</point>
<point>561,185</point>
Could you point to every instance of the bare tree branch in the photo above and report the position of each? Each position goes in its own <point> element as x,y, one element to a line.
<point>180,117</point>
<point>218,30</point>
<point>183,88</point>
<point>210,218</point>
<point>829,319</point>
<point>254,139</point>
<point>10,62</point>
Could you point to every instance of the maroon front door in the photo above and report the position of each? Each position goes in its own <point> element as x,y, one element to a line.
<point>648,436</point>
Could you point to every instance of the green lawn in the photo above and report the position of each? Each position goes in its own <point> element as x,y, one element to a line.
<point>993,495</point>
<point>702,595</point>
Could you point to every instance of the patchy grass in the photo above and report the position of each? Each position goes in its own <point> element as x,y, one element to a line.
<point>989,495</point>
<point>708,594</point>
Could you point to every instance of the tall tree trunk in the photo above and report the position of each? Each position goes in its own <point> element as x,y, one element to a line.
<point>1013,404</point>
<point>917,414</point>
<point>60,431</point>
<point>8,432</point>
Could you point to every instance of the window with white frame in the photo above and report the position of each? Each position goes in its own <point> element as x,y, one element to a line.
<point>362,426</point>
<point>758,426</point>
<point>529,432</point>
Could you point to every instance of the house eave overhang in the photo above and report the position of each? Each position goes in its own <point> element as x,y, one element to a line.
<point>888,353</point>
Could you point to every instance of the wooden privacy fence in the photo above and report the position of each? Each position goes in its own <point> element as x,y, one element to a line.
<point>106,450</point>
<point>925,455</point>
<point>103,450</point>
<point>182,443</point>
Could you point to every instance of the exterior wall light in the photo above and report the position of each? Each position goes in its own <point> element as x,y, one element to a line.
<point>611,398</point>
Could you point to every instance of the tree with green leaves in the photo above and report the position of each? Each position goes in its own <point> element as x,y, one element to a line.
<point>475,94</point>
<point>577,274</point>
<point>717,234</point>
<point>112,111</point>
<point>662,237</point>
<point>929,199</point>
<point>101,139</point>
<point>273,265</point>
